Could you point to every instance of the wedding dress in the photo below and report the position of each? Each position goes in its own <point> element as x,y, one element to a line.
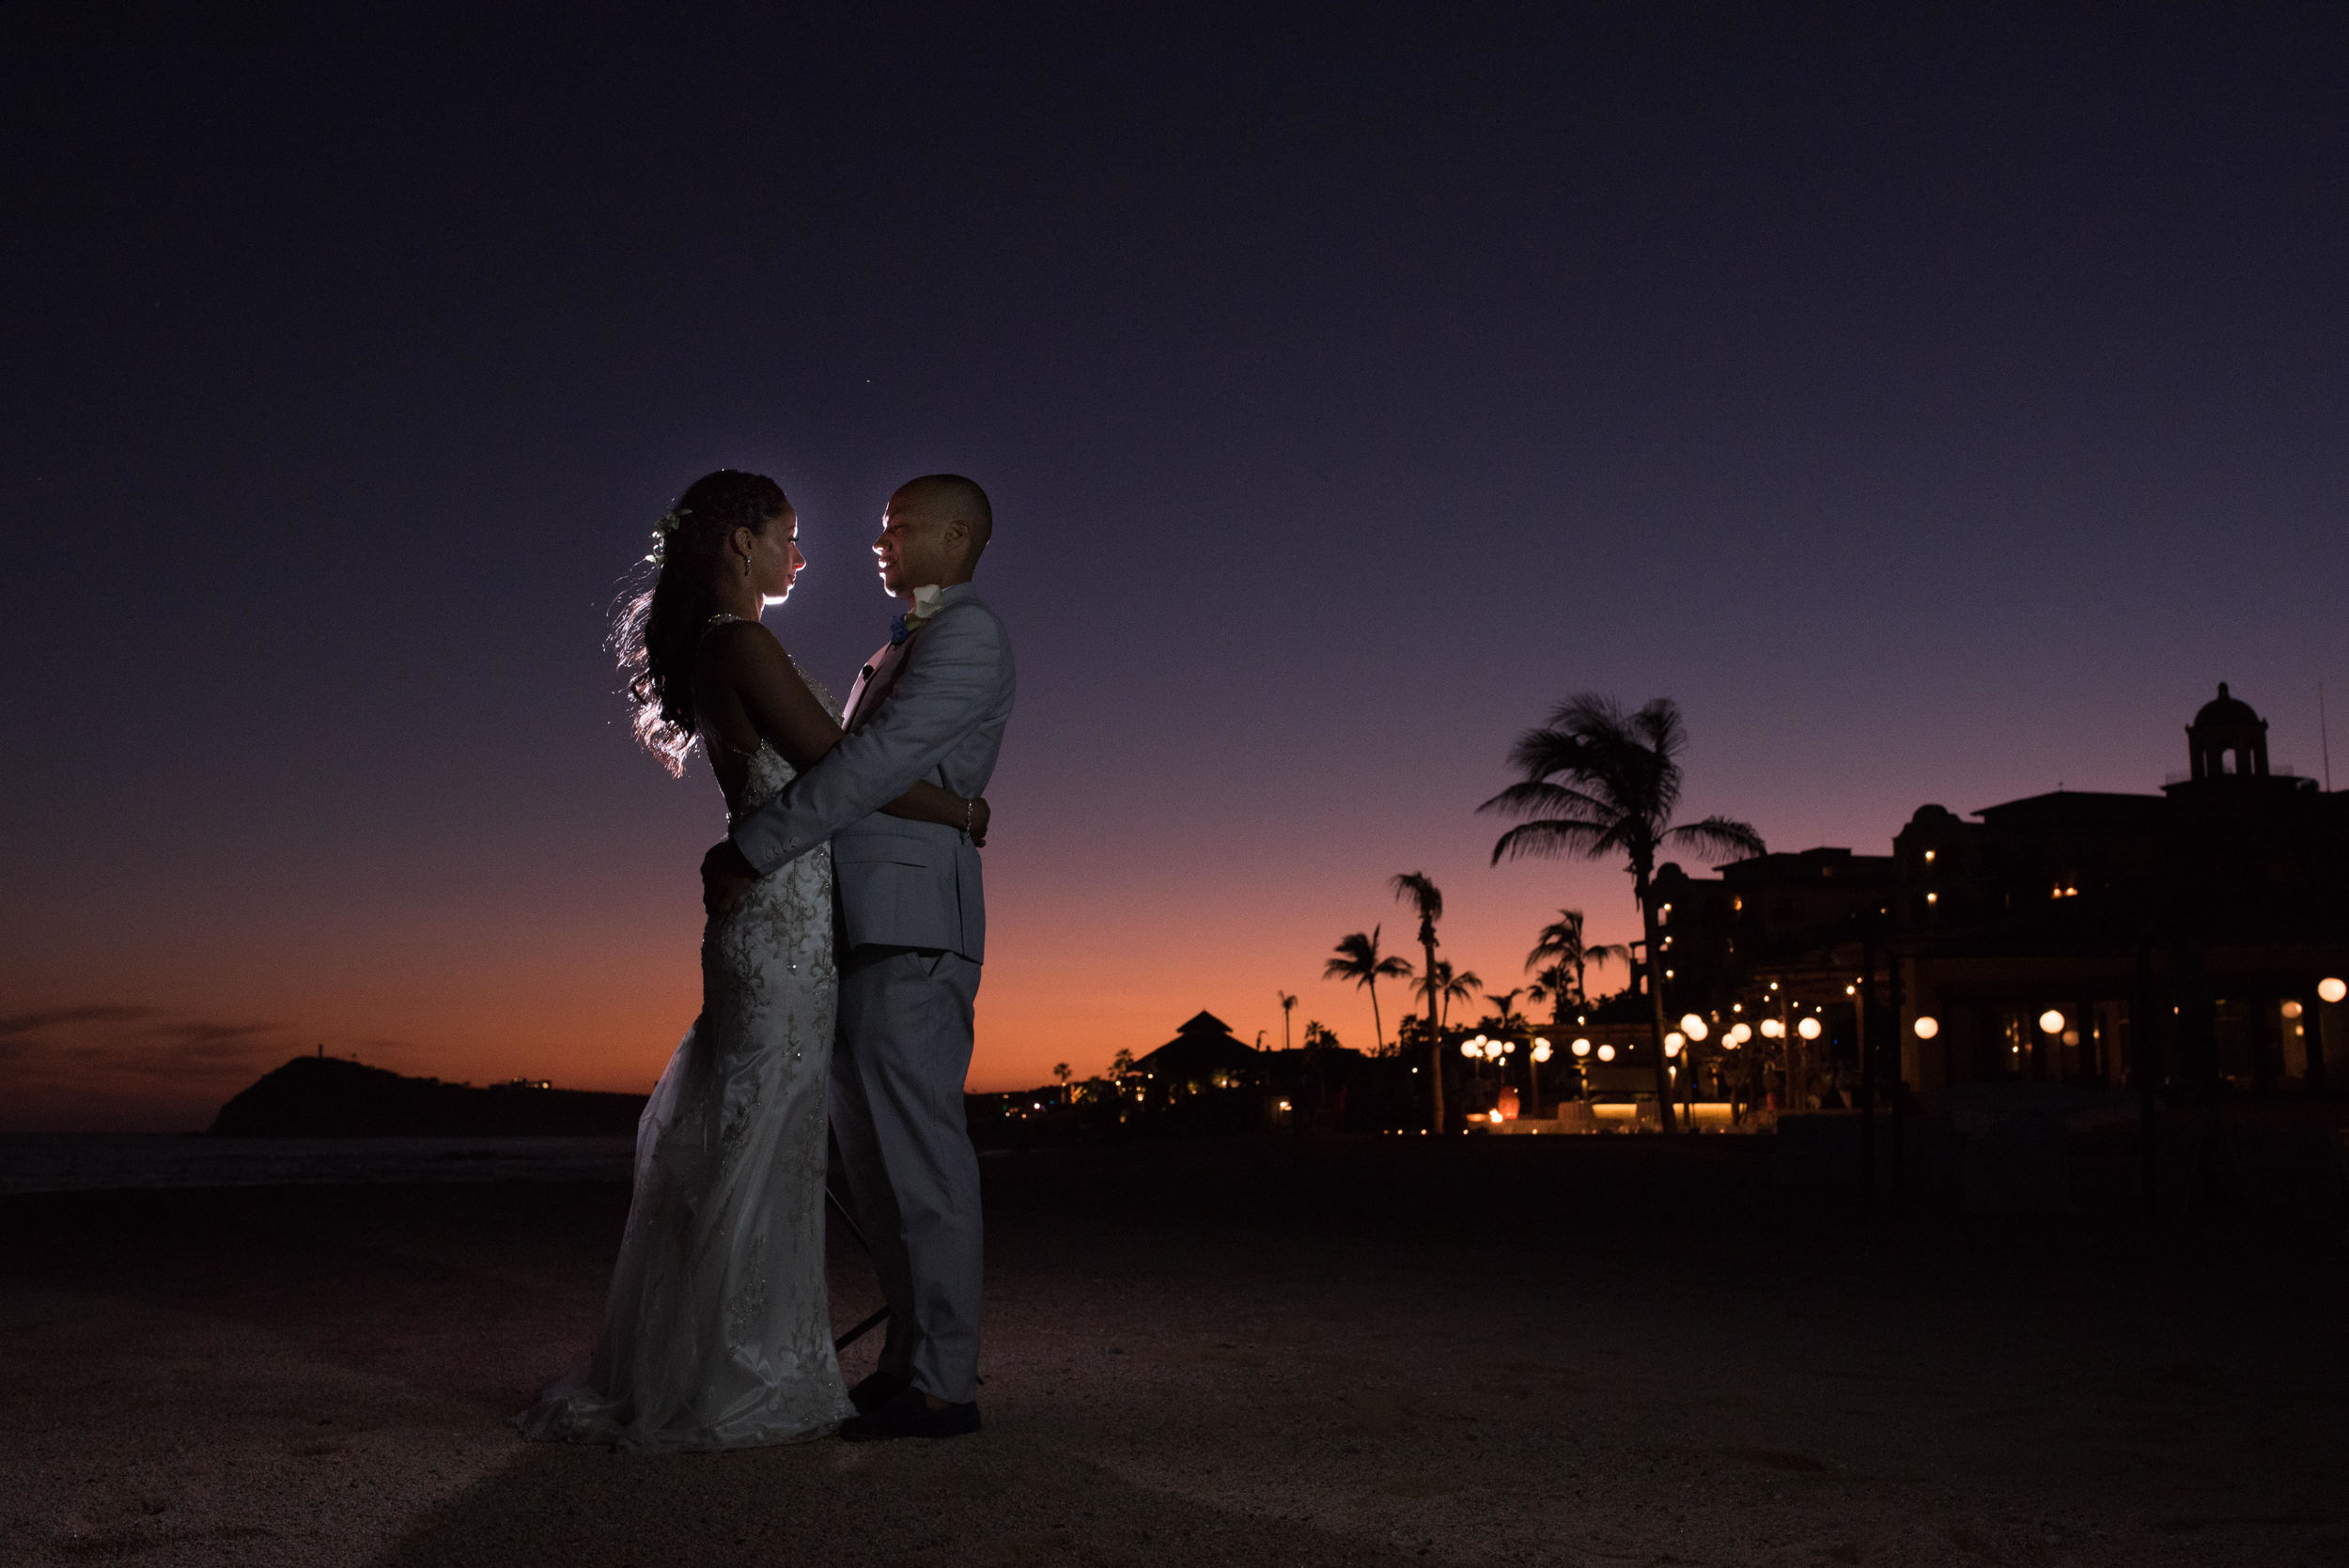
<point>717,1329</point>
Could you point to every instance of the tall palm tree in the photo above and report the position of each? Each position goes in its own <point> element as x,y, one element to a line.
<point>1562,940</point>
<point>1426,901</point>
<point>1288,1005</point>
<point>1357,958</point>
<point>1597,781</point>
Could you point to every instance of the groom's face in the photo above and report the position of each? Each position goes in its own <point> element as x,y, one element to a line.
<point>913,550</point>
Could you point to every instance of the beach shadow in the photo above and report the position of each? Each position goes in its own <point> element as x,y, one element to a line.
<point>1003,1497</point>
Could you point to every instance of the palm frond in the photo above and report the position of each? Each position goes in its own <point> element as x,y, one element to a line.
<point>1544,798</point>
<point>1420,891</point>
<point>1552,838</point>
<point>1660,728</point>
<point>1720,835</point>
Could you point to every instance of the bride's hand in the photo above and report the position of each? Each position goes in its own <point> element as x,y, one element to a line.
<point>979,815</point>
<point>725,877</point>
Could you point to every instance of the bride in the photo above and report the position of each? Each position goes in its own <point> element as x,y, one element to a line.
<point>718,1332</point>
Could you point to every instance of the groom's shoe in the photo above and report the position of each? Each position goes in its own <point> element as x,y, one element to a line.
<point>875,1389</point>
<point>911,1414</point>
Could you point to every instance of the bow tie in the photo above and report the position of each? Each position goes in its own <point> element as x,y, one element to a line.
<point>898,632</point>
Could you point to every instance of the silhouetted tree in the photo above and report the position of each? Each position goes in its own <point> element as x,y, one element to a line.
<point>1597,781</point>
<point>1426,901</point>
<point>1555,986</point>
<point>1288,1005</point>
<point>1562,940</point>
<point>1358,958</point>
<point>1454,987</point>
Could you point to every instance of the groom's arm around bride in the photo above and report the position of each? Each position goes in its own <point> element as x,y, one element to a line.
<point>933,705</point>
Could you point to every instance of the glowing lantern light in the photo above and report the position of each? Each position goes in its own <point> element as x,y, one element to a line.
<point>1541,1050</point>
<point>2292,1009</point>
<point>1739,1033</point>
<point>2051,1022</point>
<point>2332,989</point>
<point>1673,1043</point>
<point>1468,1047</point>
<point>1606,1054</point>
<point>1580,1047</point>
<point>1772,1029</point>
<point>1693,1027</point>
<point>1808,1029</point>
<point>1927,1026</point>
<point>1494,1116</point>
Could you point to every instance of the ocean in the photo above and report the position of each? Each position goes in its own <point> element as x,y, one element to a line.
<point>84,1162</point>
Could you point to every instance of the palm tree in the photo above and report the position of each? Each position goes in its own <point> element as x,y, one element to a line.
<point>1288,1005</point>
<point>1453,987</point>
<point>1562,940</point>
<point>1598,781</point>
<point>1427,902</point>
<point>1357,958</point>
<point>1507,1021</point>
<point>1555,986</point>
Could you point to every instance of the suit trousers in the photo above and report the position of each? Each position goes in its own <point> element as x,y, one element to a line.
<point>899,1061</point>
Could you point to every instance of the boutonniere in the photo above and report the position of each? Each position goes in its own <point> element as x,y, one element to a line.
<point>925,606</point>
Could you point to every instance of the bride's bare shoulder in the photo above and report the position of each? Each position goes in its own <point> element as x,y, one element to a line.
<point>740,647</point>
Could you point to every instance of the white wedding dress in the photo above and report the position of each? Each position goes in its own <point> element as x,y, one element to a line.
<point>717,1329</point>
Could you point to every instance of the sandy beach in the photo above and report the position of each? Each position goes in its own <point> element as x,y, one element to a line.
<point>1574,1351</point>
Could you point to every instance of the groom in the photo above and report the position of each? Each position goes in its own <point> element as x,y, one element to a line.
<point>913,931</point>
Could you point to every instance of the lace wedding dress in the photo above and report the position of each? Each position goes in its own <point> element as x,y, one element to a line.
<point>717,1329</point>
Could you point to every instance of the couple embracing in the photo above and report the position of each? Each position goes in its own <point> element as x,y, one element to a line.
<point>839,966</point>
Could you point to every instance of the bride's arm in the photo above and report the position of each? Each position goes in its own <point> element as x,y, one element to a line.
<point>781,708</point>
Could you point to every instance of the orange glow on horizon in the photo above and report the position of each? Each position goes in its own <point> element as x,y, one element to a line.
<point>156,1035</point>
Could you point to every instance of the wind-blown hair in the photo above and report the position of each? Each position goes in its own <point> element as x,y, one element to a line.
<point>656,628</point>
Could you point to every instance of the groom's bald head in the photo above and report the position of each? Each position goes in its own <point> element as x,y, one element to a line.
<point>934,531</point>
<point>948,498</point>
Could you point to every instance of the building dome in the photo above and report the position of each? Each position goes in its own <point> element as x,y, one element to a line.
<point>2226,712</point>
<point>2227,738</point>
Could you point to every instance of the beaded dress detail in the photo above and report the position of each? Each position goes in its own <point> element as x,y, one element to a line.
<point>717,1329</point>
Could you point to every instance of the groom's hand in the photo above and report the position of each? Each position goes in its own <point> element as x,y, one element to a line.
<point>725,877</point>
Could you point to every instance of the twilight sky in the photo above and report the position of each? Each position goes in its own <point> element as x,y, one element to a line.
<point>1936,407</point>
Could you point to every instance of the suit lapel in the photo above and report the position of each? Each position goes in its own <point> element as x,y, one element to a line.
<point>874,682</point>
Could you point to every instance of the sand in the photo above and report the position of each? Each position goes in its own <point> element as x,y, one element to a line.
<point>1560,1351</point>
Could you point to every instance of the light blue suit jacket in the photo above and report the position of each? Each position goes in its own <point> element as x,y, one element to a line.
<point>935,710</point>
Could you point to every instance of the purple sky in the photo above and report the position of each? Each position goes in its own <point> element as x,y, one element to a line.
<point>1936,408</point>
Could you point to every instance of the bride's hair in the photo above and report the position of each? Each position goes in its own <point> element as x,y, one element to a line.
<point>656,628</point>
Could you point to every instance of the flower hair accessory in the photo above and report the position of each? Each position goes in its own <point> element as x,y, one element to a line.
<point>668,524</point>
